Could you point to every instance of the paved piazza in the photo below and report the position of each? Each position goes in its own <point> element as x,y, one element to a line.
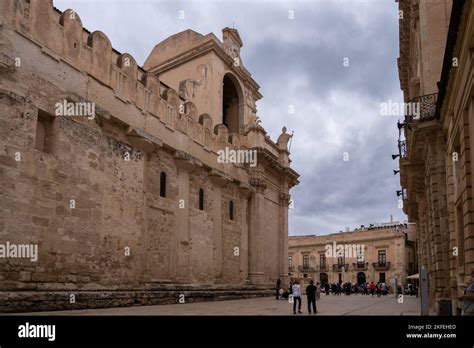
<point>328,305</point>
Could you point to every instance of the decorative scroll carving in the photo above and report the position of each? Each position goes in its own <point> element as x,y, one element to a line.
<point>285,198</point>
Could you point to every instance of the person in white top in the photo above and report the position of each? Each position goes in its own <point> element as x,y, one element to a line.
<point>296,296</point>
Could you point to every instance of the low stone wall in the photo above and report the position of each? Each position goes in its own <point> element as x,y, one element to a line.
<point>34,301</point>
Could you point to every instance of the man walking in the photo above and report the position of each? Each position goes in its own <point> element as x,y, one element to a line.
<point>311,296</point>
<point>278,286</point>
<point>372,288</point>
<point>296,289</point>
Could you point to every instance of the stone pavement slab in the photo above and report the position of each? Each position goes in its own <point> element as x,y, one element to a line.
<point>328,305</point>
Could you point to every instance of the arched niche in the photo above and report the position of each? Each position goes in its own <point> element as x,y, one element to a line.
<point>232,103</point>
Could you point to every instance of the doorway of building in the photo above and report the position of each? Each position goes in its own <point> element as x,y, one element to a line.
<point>361,278</point>
<point>323,278</point>
<point>382,277</point>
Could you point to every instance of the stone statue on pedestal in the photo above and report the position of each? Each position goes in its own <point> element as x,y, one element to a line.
<point>283,139</point>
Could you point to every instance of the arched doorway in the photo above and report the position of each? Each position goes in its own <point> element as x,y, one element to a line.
<point>232,104</point>
<point>323,278</point>
<point>361,278</point>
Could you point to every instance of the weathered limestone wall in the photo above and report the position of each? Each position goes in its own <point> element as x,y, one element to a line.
<point>119,233</point>
<point>438,167</point>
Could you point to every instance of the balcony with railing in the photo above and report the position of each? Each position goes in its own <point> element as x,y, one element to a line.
<point>323,267</point>
<point>381,266</point>
<point>402,149</point>
<point>420,116</point>
<point>422,108</point>
<point>291,268</point>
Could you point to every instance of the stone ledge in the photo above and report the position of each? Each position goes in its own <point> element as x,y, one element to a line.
<point>34,301</point>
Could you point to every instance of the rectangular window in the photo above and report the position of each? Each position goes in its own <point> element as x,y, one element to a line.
<point>163,184</point>
<point>290,261</point>
<point>201,199</point>
<point>340,261</point>
<point>322,261</point>
<point>305,261</point>
<point>44,132</point>
<point>382,257</point>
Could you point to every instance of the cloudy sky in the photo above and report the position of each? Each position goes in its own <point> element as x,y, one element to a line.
<point>298,61</point>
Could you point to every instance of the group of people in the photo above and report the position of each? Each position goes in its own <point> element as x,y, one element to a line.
<point>348,288</point>
<point>313,293</point>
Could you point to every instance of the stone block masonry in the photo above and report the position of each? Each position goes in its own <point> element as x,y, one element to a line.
<point>127,203</point>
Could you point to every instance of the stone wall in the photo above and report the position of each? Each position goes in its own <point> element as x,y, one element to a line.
<point>87,190</point>
<point>436,172</point>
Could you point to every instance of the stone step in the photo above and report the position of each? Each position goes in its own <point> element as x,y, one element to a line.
<point>33,301</point>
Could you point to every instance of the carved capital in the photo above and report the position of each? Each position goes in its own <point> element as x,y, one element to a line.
<point>258,183</point>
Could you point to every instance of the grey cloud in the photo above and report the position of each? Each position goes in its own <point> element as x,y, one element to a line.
<point>299,62</point>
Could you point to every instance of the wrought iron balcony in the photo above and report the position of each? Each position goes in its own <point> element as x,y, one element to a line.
<point>422,108</point>
<point>402,149</point>
<point>291,268</point>
<point>323,267</point>
<point>338,267</point>
<point>381,266</point>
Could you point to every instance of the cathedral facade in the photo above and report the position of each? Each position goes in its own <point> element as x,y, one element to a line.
<point>136,185</point>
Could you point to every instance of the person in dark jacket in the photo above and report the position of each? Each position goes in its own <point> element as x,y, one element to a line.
<point>311,296</point>
<point>278,286</point>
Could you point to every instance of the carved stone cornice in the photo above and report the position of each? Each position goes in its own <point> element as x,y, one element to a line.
<point>185,161</point>
<point>219,178</point>
<point>271,161</point>
<point>143,140</point>
<point>245,190</point>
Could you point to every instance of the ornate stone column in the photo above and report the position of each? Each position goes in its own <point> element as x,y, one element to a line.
<point>257,211</point>
<point>245,193</point>
<point>285,199</point>
<point>181,258</point>
<point>218,179</point>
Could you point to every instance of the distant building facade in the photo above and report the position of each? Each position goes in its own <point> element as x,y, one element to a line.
<point>436,158</point>
<point>378,254</point>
